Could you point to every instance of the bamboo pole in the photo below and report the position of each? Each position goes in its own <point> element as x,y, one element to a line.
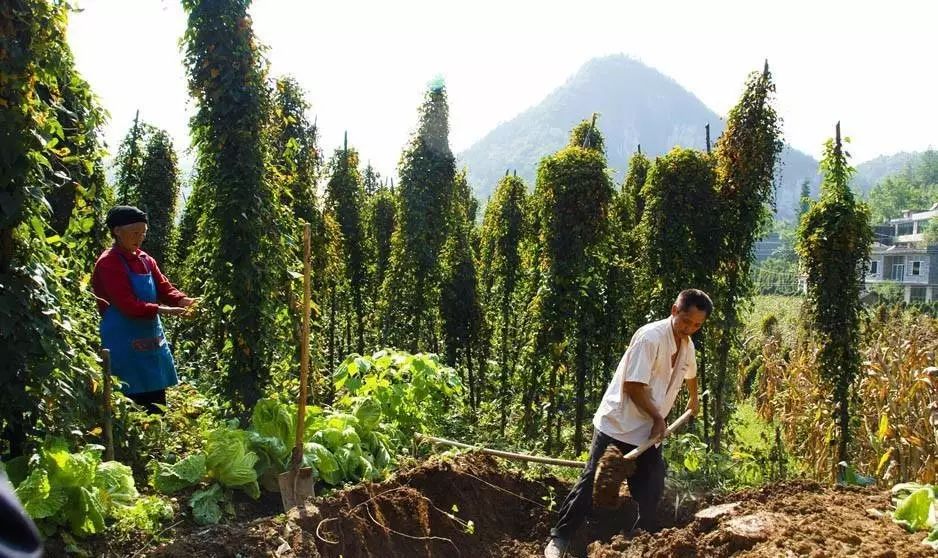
<point>504,454</point>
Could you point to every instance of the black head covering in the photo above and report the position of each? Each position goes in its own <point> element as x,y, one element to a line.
<point>120,215</point>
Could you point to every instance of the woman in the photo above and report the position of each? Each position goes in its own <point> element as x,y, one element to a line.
<point>132,294</point>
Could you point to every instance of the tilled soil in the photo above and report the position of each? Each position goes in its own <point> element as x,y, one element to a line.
<point>426,512</point>
<point>781,520</point>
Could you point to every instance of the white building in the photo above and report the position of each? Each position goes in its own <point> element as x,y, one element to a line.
<point>900,256</point>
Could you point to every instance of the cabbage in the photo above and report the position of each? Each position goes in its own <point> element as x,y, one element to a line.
<point>368,413</point>
<point>84,513</point>
<point>206,505</point>
<point>166,478</point>
<point>918,510</point>
<point>230,461</point>
<point>116,481</point>
<point>323,461</point>
<point>38,496</point>
<point>68,469</point>
<point>271,453</point>
<point>276,419</point>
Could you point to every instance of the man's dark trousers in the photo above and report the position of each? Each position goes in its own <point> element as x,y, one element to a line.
<point>646,486</point>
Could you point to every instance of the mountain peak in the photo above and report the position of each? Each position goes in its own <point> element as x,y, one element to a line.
<point>636,103</point>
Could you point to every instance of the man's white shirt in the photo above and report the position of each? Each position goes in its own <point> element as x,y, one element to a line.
<point>648,361</point>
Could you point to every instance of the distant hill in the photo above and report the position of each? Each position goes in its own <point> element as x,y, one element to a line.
<point>637,105</point>
<point>871,172</point>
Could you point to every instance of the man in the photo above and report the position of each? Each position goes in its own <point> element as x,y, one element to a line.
<point>633,410</point>
<point>132,294</point>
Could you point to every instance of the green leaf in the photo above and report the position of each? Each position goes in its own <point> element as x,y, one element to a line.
<point>228,458</point>
<point>330,437</point>
<point>146,515</point>
<point>915,511</point>
<point>190,469</point>
<point>692,461</point>
<point>273,418</point>
<point>70,469</point>
<point>883,460</point>
<point>319,457</point>
<point>239,471</point>
<point>84,512</point>
<point>271,453</point>
<point>206,505</point>
<point>38,496</point>
<point>17,469</point>
<point>168,478</point>
<point>883,427</point>
<point>368,413</point>
<point>116,480</point>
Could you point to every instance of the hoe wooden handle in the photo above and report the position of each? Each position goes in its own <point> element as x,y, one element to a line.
<point>674,426</point>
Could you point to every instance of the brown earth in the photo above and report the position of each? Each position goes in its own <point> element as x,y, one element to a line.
<point>781,520</point>
<point>426,510</point>
<point>610,474</point>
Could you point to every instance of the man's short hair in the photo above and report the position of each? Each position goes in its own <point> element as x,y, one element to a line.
<point>695,298</point>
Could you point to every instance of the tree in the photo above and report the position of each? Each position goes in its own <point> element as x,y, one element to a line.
<point>188,229</point>
<point>427,170</point>
<point>371,180</point>
<point>238,249</point>
<point>746,156</point>
<point>460,307</point>
<point>294,166</point>
<point>129,161</point>
<point>624,300</point>
<point>295,158</point>
<point>53,192</point>
<point>345,200</point>
<point>156,193</point>
<point>834,240</point>
<point>677,233</point>
<point>571,200</point>
<point>633,203</point>
<point>805,199</point>
<point>899,193</point>
<point>381,226</point>
<point>678,227</point>
<point>504,230</point>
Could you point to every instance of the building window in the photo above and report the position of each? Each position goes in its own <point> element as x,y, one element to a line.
<point>917,294</point>
<point>904,228</point>
<point>898,272</point>
<point>916,268</point>
<point>874,267</point>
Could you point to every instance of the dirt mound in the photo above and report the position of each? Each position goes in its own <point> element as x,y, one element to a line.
<point>782,520</point>
<point>427,512</point>
<point>468,506</point>
<point>471,506</point>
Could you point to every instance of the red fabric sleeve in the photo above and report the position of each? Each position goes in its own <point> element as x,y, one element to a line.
<point>112,284</point>
<point>165,291</point>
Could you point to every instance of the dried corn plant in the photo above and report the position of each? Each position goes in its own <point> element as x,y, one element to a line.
<point>799,401</point>
<point>896,436</point>
<point>895,418</point>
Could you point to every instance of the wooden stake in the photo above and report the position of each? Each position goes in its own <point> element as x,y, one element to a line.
<point>304,334</point>
<point>108,430</point>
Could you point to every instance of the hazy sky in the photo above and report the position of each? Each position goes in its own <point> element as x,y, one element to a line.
<point>365,64</point>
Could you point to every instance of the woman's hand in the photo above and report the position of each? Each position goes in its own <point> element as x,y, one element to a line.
<point>171,310</point>
<point>191,305</point>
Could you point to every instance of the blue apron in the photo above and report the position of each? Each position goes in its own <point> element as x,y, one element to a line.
<point>140,356</point>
